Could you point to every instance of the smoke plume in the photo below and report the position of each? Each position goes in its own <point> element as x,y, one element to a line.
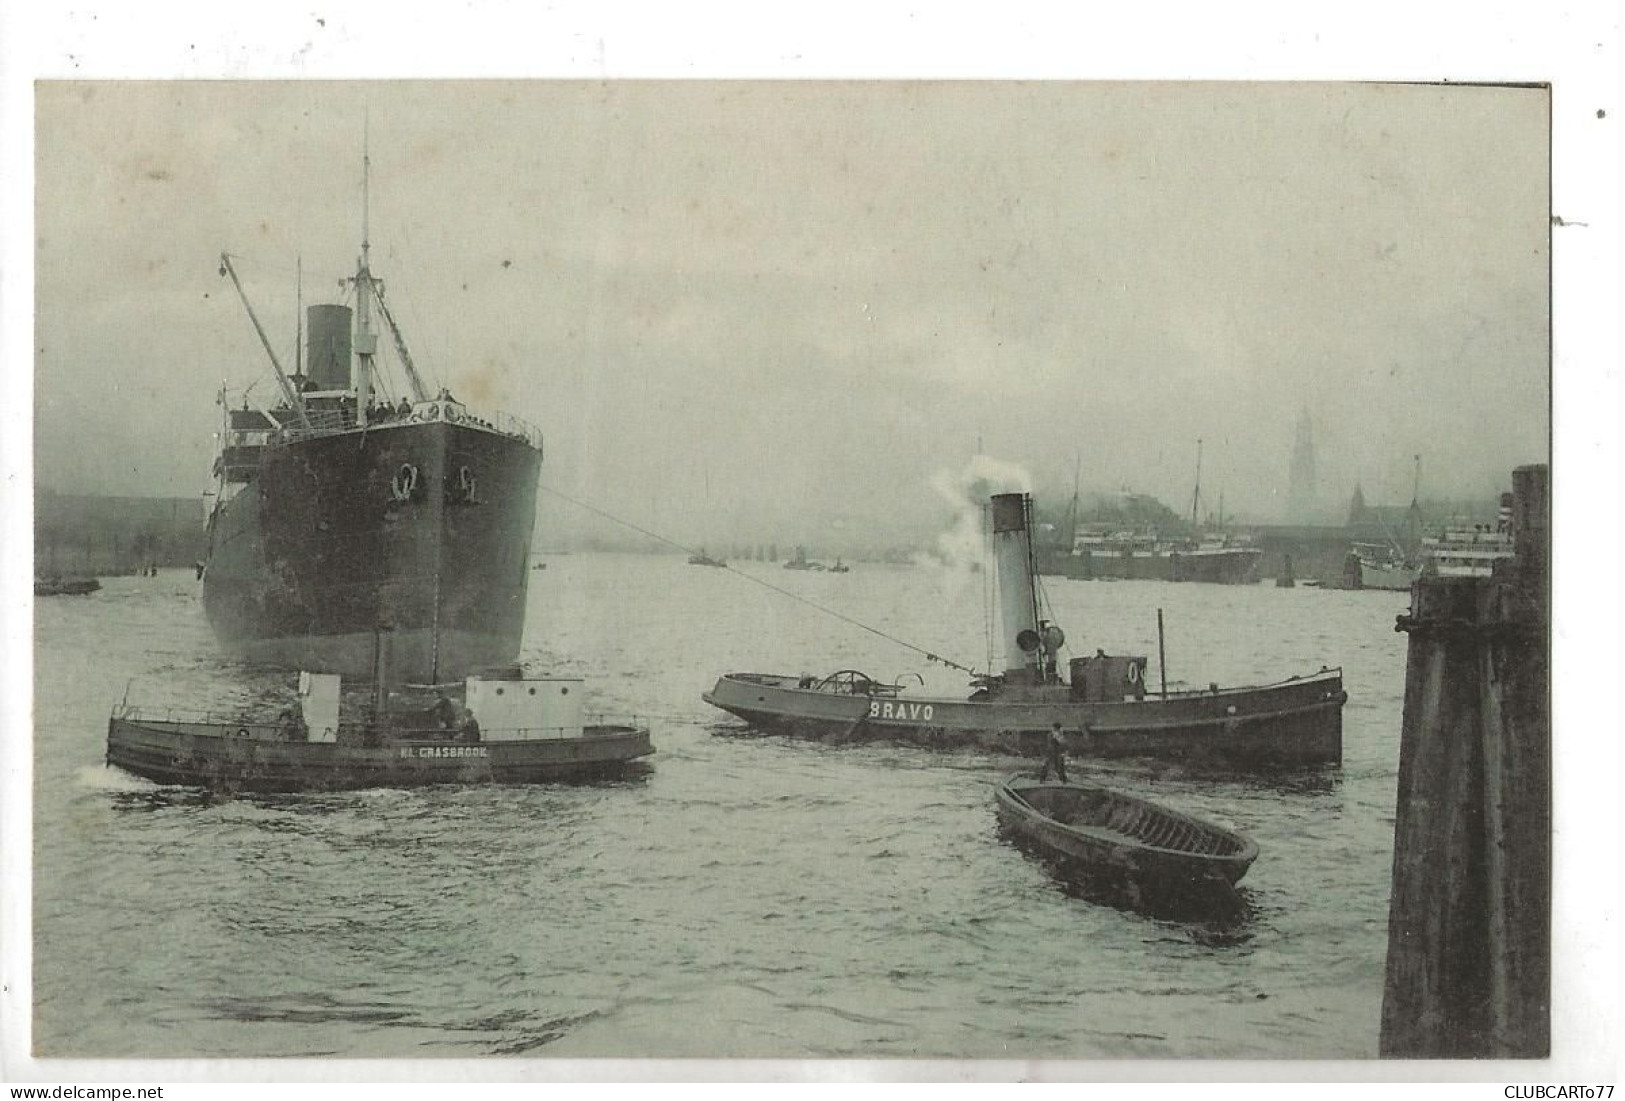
<point>961,548</point>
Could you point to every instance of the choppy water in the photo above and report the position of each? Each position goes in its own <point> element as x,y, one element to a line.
<point>748,897</point>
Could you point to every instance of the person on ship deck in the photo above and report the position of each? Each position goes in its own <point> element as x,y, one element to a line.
<point>444,712</point>
<point>291,725</point>
<point>1054,755</point>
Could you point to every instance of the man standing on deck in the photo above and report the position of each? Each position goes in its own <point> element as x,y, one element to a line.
<point>1054,755</point>
<point>444,712</point>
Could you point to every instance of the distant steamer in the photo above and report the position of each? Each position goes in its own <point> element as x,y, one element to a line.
<point>1111,552</point>
<point>335,517</point>
<point>1136,556</point>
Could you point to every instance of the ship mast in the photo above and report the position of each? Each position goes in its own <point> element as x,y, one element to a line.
<point>1072,510</point>
<point>1413,518</point>
<point>299,317</point>
<point>1196,497</point>
<point>366,341</point>
<point>369,292</point>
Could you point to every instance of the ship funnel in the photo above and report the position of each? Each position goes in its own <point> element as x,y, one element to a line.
<point>1018,606</point>
<point>327,352</point>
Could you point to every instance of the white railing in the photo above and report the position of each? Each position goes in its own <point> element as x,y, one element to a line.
<point>180,715</point>
<point>323,422</point>
<point>455,412</point>
<point>510,425</point>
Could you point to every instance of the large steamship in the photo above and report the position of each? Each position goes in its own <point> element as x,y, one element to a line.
<point>338,519</point>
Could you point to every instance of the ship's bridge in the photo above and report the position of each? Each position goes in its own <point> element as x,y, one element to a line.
<point>247,430</point>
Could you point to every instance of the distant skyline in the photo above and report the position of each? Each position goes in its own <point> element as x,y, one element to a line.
<point>779,308</point>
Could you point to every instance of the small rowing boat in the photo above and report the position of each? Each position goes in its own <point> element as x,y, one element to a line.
<point>1103,833</point>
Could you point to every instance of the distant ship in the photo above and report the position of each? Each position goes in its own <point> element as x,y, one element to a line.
<point>1109,552</point>
<point>335,516</point>
<point>1461,549</point>
<point>1378,566</point>
<point>1141,556</point>
<point>799,562</point>
<point>1471,550</point>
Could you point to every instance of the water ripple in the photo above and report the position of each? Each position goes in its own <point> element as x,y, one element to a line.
<point>746,896</point>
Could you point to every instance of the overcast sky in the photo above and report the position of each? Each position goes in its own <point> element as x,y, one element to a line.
<point>771,307</point>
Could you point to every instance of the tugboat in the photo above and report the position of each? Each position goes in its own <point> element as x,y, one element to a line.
<point>1103,706</point>
<point>799,562</point>
<point>507,730</point>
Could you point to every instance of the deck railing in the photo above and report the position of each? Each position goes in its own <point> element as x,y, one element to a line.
<point>328,422</point>
<point>510,425</point>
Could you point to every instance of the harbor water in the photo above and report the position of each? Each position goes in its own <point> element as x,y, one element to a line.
<point>746,896</point>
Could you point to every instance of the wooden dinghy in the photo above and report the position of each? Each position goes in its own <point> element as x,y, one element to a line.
<point>1098,832</point>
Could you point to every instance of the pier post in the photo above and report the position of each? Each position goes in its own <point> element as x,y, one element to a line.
<point>1284,578</point>
<point>1469,923</point>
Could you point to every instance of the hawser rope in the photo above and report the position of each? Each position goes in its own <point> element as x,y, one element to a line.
<point>928,655</point>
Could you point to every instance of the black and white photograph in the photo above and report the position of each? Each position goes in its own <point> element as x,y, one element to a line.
<point>937,569</point>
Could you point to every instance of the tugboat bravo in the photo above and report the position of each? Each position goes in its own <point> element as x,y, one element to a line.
<point>1104,709</point>
<point>335,512</point>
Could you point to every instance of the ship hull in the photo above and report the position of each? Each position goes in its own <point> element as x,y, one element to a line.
<point>422,530</point>
<point>1391,578</point>
<point>252,757</point>
<point>1293,723</point>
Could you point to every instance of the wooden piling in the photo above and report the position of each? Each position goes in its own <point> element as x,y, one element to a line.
<point>1469,924</point>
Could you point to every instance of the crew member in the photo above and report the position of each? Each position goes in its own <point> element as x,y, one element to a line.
<point>444,713</point>
<point>292,725</point>
<point>1054,755</point>
<point>469,727</point>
